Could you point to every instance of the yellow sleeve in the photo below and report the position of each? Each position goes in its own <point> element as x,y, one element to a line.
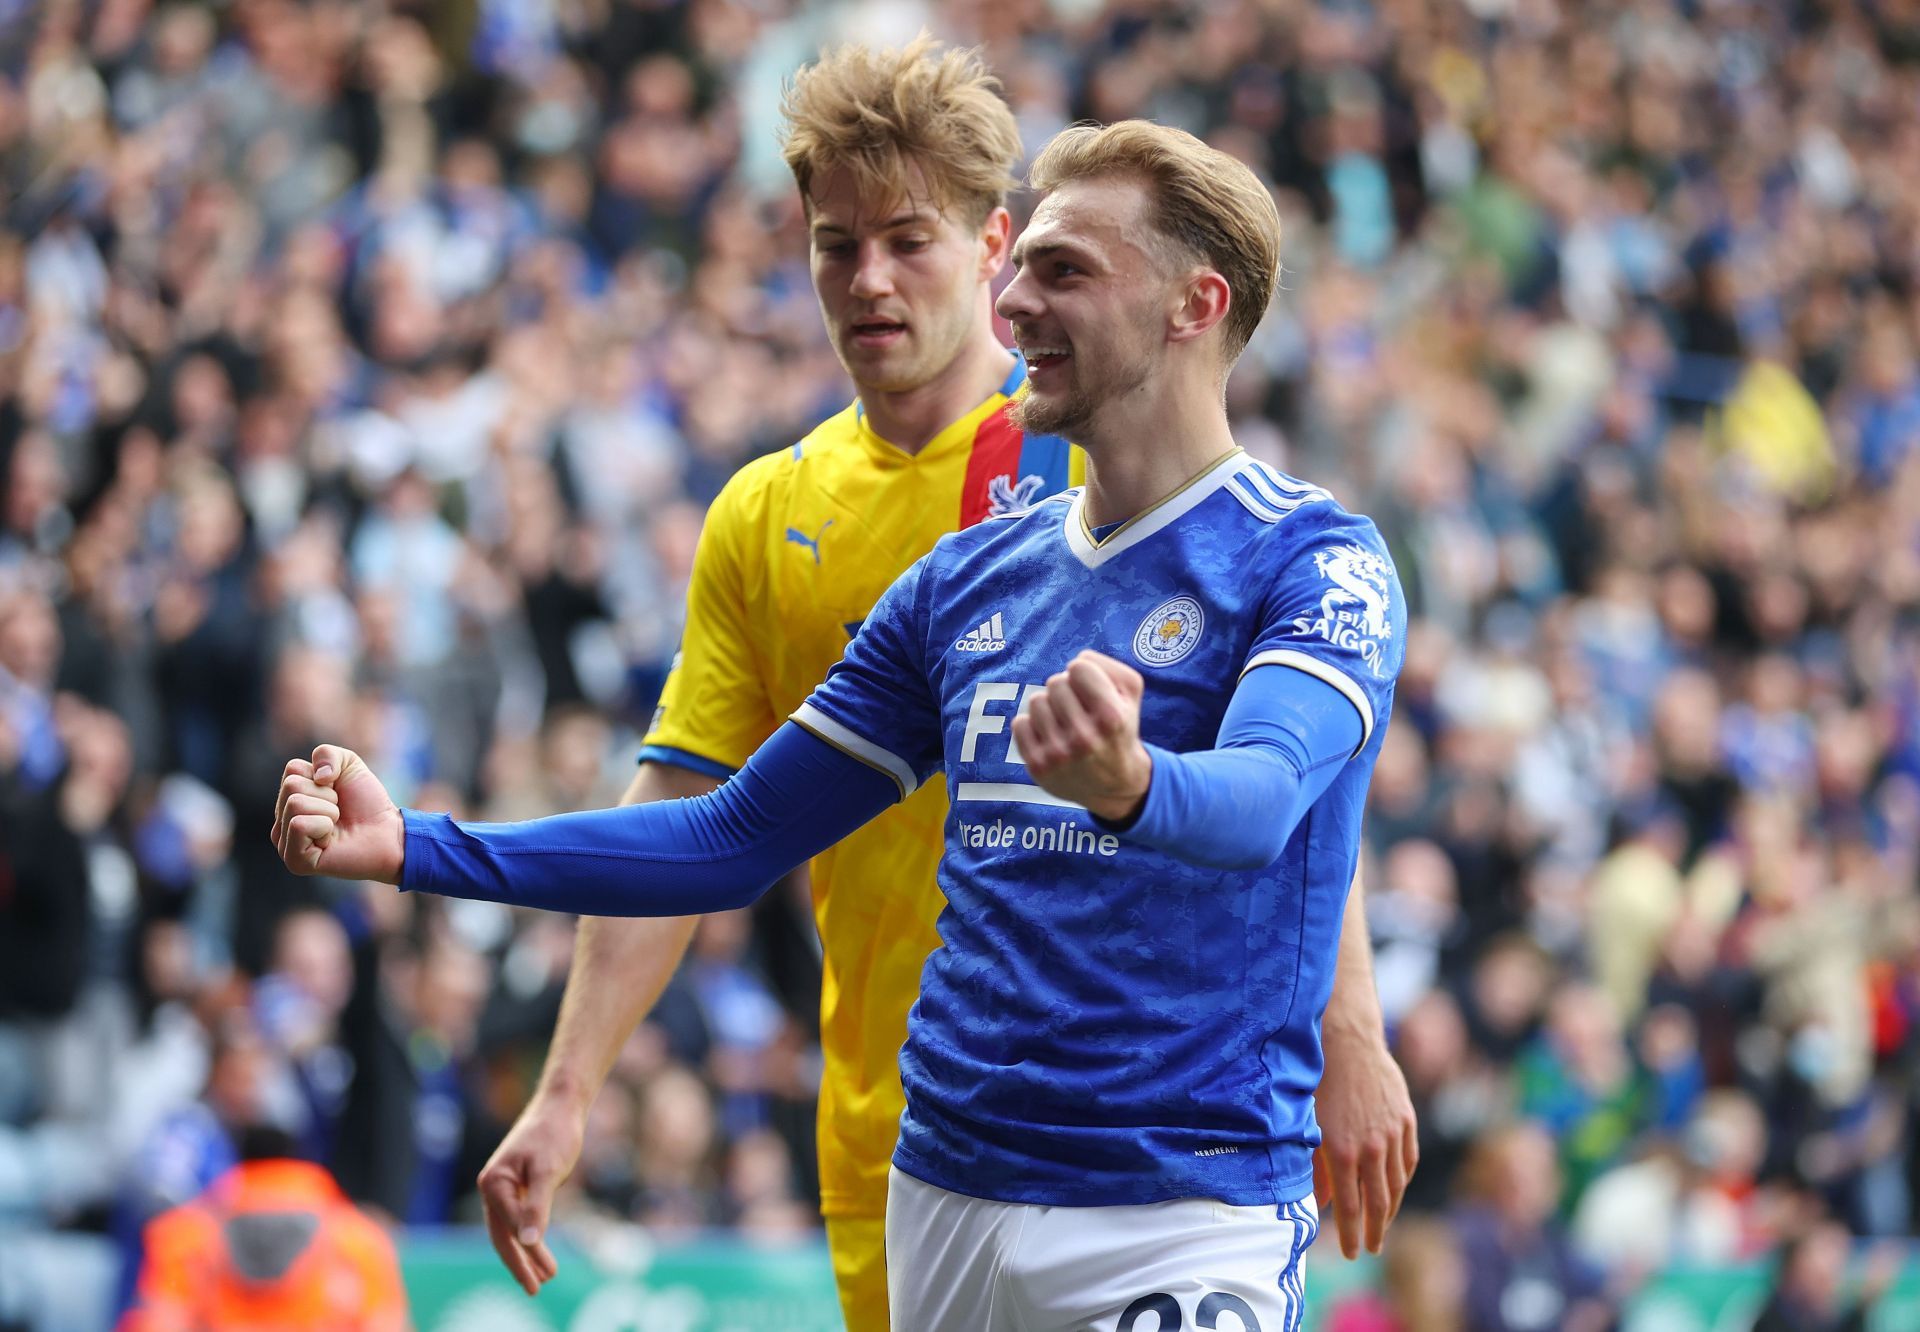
<point>714,710</point>
<point>1076,466</point>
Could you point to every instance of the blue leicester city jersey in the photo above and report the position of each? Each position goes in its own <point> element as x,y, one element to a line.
<point>1105,1023</point>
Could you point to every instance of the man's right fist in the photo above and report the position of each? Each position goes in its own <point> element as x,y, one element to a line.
<point>334,817</point>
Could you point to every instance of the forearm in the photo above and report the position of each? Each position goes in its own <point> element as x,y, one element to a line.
<point>1353,1011</point>
<point>620,966</point>
<point>796,797</point>
<point>1223,808</point>
<point>1285,737</point>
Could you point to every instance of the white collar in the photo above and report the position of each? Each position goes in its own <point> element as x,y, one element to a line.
<point>1144,524</point>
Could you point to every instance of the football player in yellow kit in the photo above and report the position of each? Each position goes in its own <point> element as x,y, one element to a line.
<point>903,158</point>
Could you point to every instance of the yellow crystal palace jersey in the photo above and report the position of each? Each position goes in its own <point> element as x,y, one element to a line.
<point>796,550</point>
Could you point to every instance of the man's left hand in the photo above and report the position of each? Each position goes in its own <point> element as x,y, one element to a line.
<point>1369,1138</point>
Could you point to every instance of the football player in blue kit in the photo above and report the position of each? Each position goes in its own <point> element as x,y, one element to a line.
<point>1156,702</point>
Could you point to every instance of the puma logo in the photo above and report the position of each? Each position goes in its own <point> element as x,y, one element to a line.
<point>812,543</point>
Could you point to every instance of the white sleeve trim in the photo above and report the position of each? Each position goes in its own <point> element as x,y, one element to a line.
<point>1320,670</point>
<point>861,748</point>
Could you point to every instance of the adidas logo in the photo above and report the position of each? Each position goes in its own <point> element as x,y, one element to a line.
<point>987,637</point>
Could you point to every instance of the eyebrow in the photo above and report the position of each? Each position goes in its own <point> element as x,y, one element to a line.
<point>897,220</point>
<point>1022,251</point>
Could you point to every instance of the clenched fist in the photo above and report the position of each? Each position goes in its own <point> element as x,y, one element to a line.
<point>334,817</point>
<point>1080,736</point>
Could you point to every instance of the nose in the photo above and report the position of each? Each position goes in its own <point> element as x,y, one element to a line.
<point>872,273</point>
<point>1017,303</point>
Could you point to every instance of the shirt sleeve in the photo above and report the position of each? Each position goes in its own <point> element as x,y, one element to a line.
<point>795,797</point>
<point>877,703</point>
<point>1336,612</point>
<point>714,709</point>
<point>1286,736</point>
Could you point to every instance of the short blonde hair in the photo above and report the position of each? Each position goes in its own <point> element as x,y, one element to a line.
<point>1208,204</point>
<point>873,112</point>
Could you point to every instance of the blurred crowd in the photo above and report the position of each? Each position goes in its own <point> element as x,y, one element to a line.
<point>365,369</point>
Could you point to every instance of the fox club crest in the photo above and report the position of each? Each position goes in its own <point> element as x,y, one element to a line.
<point>1170,631</point>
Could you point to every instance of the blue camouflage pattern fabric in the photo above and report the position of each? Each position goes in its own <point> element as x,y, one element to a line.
<point>1106,1024</point>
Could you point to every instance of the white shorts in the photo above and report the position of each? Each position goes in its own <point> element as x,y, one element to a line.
<point>960,1264</point>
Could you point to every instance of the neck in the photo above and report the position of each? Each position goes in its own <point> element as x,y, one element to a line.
<point>910,418</point>
<point>1148,443</point>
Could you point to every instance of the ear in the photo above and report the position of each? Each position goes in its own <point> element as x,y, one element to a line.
<point>1205,302</point>
<point>996,241</point>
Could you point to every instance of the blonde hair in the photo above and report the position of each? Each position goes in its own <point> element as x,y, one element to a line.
<point>875,112</point>
<point>1211,206</point>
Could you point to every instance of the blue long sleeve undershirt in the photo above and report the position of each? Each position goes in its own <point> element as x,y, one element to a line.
<point>796,796</point>
<point>1284,738</point>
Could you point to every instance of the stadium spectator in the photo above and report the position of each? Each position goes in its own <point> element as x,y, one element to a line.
<point>741,1017</point>
<point>272,1242</point>
<point>189,1148</point>
<point>1415,920</point>
<point>1693,1200</point>
<point>674,1168</point>
<point>1423,1284</point>
<point>1522,1273</point>
<point>297,1007</point>
<point>1578,1080</point>
<point>1809,1293</point>
<point>413,1129</point>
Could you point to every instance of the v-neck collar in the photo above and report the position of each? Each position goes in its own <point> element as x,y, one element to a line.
<point>1153,518</point>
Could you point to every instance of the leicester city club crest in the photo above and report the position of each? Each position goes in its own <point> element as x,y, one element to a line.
<point>1169,633</point>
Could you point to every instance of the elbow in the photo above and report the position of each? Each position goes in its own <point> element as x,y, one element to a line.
<point>743,893</point>
<point>708,898</point>
<point>1246,859</point>
<point>735,886</point>
<point>1241,855</point>
<point>1257,841</point>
